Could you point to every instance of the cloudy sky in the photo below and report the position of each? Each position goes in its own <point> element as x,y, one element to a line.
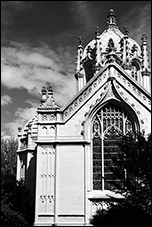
<point>39,46</point>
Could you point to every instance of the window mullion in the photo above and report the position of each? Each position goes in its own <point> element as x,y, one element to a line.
<point>102,150</point>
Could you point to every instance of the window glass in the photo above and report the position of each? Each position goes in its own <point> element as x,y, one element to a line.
<point>109,124</point>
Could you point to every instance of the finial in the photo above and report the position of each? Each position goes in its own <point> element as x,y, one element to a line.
<point>79,41</point>
<point>50,100</point>
<point>97,32</point>
<point>44,94</point>
<point>134,48</point>
<point>19,131</point>
<point>44,90</point>
<point>111,46</point>
<point>89,52</point>
<point>144,37</point>
<point>19,128</point>
<point>89,49</point>
<point>50,89</point>
<point>126,31</point>
<point>111,19</point>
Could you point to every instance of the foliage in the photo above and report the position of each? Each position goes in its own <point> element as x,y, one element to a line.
<point>14,195</point>
<point>133,167</point>
<point>135,159</point>
<point>121,214</point>
<point>8,156</point>
<point>11,218</point>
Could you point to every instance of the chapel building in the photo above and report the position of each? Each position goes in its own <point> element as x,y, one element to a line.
<point>63,152</point>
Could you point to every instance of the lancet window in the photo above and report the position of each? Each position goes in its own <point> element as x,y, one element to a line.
<point>109,124</point>
<point>135,71</point>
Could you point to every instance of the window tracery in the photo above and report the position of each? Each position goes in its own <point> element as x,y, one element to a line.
<point>109,124</point>
<point>135,69</point>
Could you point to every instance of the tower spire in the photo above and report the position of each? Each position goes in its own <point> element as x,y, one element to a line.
<point>97,48</point>
<point>111,19</point>
<point>144,52</point>
<point>79,74</point>
<point>79,54</point>
<point>47,97</point>
<point>145,63</point>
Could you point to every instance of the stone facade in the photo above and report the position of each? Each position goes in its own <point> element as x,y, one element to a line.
<point>55,151</point>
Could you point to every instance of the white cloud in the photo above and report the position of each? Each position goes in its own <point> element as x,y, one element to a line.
<point>5,100</point>
<point>22,116</point>
<point>32,68</point>
<point>22,67</point>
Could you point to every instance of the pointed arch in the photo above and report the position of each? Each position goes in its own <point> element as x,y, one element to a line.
<point>109,121</point>
<point>136,69</point>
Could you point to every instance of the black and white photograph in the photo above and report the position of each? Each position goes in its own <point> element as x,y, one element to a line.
<point>76,113</point>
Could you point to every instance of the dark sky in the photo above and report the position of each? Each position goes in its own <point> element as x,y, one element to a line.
<point>39,46</point>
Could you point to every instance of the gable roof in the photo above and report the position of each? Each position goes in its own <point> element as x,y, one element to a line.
<point>123,80</point>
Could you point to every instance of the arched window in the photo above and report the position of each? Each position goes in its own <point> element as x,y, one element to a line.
<point>109,124</point>
<point>89,69</point>
<point>135,69</point>
<point>134,73</point>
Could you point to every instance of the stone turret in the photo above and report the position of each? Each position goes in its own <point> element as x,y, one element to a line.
<point>145,64</point>
<point>112,45</point>
<point>111,19</point>
<point>47,99</point>
<point>79,74</point>
<point>125,49</point>
<point>97,48</point>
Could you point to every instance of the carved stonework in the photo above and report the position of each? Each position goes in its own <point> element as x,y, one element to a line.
<point>52,117</point>
<point>134,90</point>
<point>44,117</point>
<point>85,94</point>
<point>47,198</point>
<point>47,149</point>
<point>48,117</point>
<point>49,175</point>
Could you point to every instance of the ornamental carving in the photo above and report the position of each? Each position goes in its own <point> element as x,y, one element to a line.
<point>80,99</point>
<point>70,109</point>
<point>84,95</point>
<point>44,117</point>
<point>52,117</point>
<point>48,175</point>
<point>135,90</point>
<point>45,198</point>
<point>48,149</point>
<point>48,117</point>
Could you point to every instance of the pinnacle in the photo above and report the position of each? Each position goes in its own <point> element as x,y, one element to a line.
<point>111,19</point>
<point>79,40</point>
<point>97,32</point>
<point>111,11</point>
<point>144,37</point>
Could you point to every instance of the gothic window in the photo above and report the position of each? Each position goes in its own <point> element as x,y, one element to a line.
<point>109,124</point>
<point>89,71</point>
<point>135,71</point>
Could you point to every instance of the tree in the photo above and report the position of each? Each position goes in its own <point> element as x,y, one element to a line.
<point>133,165</point>
<point>135,159</point>
<point>14,195</point>
<point>8,163</point>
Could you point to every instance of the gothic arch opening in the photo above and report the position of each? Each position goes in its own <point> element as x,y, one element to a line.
<point>109,123</point>
<point>135,70</point>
